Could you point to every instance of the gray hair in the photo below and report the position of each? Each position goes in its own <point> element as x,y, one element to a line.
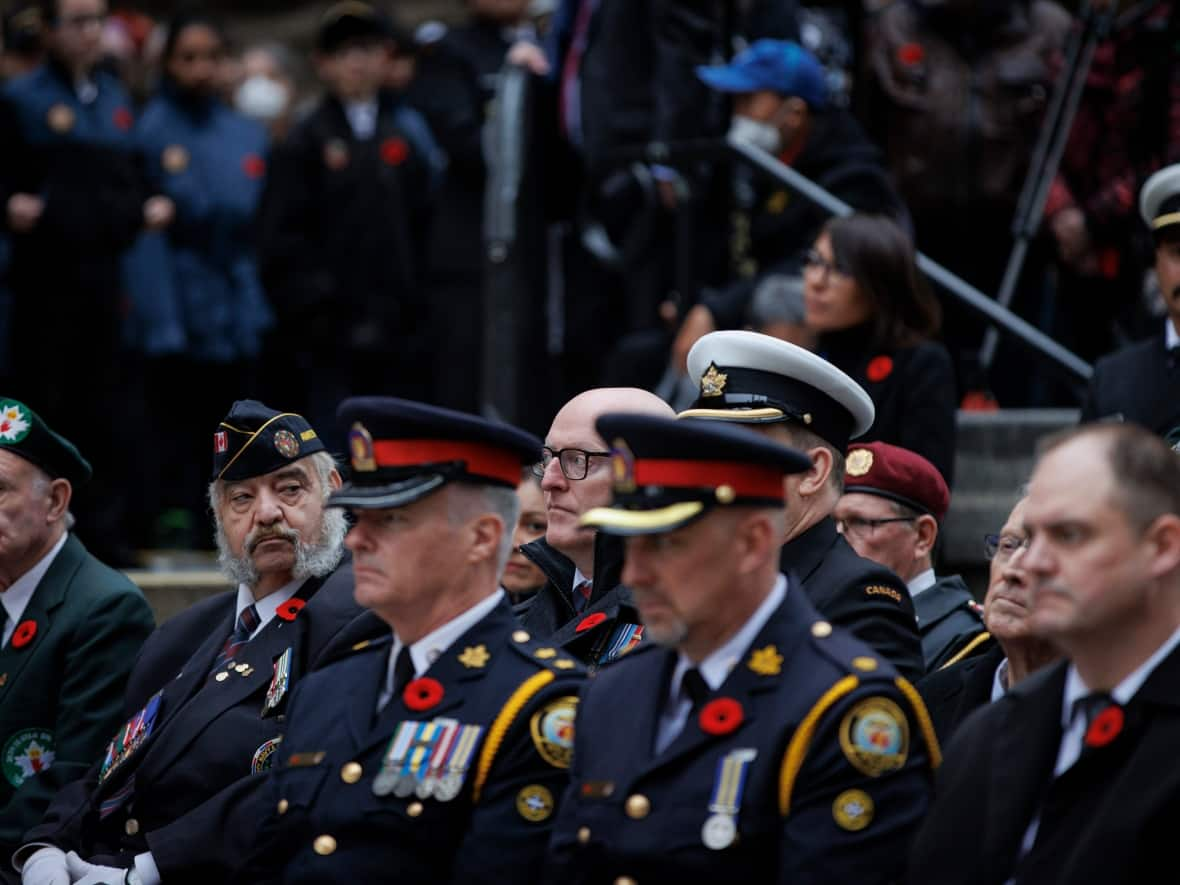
<point>313,558</point>
<point>469,501</point>
<point>777,299</point>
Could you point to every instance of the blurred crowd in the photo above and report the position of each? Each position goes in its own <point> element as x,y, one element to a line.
<point>189,217</point>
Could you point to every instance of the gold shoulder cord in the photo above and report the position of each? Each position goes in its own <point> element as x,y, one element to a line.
<point>801,740</point>
<point>503,722</point>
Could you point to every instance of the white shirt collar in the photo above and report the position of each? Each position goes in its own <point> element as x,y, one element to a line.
<point>1000,681</point>
<point>921,582</point>
<point>362,118</point>
<point>1171,336</point>
<point>268,605</point>
<point>578,578</point>
<point>16,598</point>
<point>430,647</point>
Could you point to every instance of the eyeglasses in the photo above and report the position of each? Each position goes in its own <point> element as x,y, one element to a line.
<point>1003,547</point>
<point>574,463</point>
<point>812,260</point>
<point>858,527</point>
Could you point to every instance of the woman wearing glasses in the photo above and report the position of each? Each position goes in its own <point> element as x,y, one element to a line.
<point>876,320</point>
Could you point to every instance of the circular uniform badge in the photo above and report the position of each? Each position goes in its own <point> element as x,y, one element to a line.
<point>286,443</point>
<point>552,730</point>
<point>875,736</point>
<point>14,423</point>
<point>174,159</point>
<point>860,462</point>
<point>718,832</point>
<point>534,803</point>
<point>853,810</point>
<point>264,756</point>
<point>60,118</point>
<point>26,754</point>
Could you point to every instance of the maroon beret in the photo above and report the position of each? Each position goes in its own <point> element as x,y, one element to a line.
<point>898,474</point>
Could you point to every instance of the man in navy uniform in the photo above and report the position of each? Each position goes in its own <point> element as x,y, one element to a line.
<point>1138,383</point>
<point>71,626</point>
<point>437,753</point>
<point>759,742</point>
<point>893,503</point>
<point>802,400</point>
<point>206,702</point>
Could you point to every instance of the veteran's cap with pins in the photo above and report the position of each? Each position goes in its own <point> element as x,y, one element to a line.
<point>1159,200</point>
<point>752,378</point>
<point>23,432</point>
<point>402,450</point>
<point>898,474</point>
<point>254,439</point>
<point>669,472</point>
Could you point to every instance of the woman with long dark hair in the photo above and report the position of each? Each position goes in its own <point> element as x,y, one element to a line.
<point>876,319</point>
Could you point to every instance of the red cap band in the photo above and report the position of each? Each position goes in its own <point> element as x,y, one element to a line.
<point>747,480</point>
<point>481,459</point>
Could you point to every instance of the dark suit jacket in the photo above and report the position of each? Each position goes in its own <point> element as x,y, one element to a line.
<point>857,594</point>
<point>1118,825</point>
<point>64,689</point>
<point>210,733</point>
<point>949,621</point>
<point>777,683</point>
<point>1139,383</point>
<point>955,692</point>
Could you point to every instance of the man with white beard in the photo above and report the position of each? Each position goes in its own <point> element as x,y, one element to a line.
<point>206,700</point>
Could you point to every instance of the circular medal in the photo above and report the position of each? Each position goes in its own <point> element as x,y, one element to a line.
<point>405,786</point>
<point>425,787</point>
<point>719,832</point>
<point>383,783</point>
<point>448,787</point>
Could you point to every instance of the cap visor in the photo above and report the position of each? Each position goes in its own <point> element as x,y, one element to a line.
<point>384,497</point>
<point>726,79</point>
<point>642,522</point>
<point>744,416</point>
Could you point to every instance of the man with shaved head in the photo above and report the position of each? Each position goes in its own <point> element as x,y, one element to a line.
<point>582,607</point>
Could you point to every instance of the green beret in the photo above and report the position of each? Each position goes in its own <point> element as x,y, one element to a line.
<point>23,433</point>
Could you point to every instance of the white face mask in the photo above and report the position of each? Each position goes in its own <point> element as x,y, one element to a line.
<point>261,98</point>
<point>755,132</point>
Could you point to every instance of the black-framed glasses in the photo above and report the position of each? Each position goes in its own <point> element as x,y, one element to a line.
<point>574,463</point>
<point>1003,547</point>
<point>858,526</point>
<point>812,260</point>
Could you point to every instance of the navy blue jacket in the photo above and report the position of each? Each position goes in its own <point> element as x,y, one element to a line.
<point>321,820</point>
<point>950,623</point>
<point>811,699</point>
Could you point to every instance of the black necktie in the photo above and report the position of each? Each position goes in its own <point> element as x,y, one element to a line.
<point>403,671</point>
<point>247,623</point>
<point>694,686</point>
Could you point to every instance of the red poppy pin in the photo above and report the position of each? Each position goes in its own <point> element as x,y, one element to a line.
<point>910,54</point>
<point>1106,727</point>
<point>289,609</point>
<point>123,119</point>
<point>880,368</point>
<point>721,716</point>
<point>253,165</point>
<point>590,622</point>
<point>422,694</point>
<point>394,151</point>
<point>24,633</point>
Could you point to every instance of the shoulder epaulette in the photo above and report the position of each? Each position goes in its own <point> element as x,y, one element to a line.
<point>548,656</point>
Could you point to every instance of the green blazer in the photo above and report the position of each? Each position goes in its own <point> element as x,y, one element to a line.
<point>61,691</point>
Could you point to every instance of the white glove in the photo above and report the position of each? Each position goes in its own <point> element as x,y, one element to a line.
<point>45,866</point>
<point>83,873</point>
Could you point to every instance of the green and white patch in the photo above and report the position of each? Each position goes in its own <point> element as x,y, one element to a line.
<point>26,754</point>
<point>14,422</point>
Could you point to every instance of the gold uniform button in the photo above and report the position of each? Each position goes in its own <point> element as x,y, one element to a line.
<point>131,827</point>
<point>222,676</point>
<point>324,845</point>
<point>351,772</point>
<point>520,636</point>
<point>414,809</point>
<point>283,806</point>
<point>637,806</point>
<point>583,835</point>
<point>820,629</point>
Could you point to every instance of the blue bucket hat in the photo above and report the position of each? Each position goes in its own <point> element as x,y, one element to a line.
<point>780,66</point>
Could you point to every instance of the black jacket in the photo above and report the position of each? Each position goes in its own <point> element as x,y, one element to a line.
<point>857,594</point>
<point>1138,383</point>
<point>606,628</point>
<point>955,692</point>
<point>950,622</point>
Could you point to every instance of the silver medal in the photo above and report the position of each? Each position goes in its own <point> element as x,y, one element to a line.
<point>448,786</point>
<point>384,782</point>
<point>719,831</point>
<point>425,787</point>
<point>404,786</point>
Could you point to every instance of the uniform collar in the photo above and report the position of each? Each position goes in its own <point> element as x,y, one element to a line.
<point>267,606</point>
<point>921,582</point>
<point>1171,336</point>
<point>16,598</point>
<point>430,647</point>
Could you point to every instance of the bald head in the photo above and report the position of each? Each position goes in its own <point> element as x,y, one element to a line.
<point>567,499</point>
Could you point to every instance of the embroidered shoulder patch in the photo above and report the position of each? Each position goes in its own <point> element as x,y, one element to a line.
<point>552,730</point>
<point>875,736</point>
<point>882,590</point>
<point>26,754</point>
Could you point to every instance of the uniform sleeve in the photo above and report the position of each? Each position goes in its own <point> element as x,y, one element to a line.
<point>879,612</point>
<point>89,704</point>
<point>512,821</point>
<point>862,789</point>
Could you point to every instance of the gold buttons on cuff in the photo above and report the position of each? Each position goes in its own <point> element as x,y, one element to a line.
<point>324,845</point>
<point>637,806</point>
<point>283,806</point>
<point>414,809</point>
<point>222,676</point>
<point>351,772</point>
<point>131,827</point>
<point>583,835</point>
<point>520,636</point>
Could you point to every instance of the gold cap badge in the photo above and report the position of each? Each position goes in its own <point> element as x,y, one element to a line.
<point>713,381</point>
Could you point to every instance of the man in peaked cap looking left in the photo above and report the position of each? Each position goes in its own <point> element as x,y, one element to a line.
<point>802,400</point>
<point>760,743</point>
<point>207,699</point>
<point>71,626</point>
<point>438,753</point>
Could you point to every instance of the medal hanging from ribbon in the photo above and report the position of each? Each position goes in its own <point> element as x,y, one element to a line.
<point>278,683</point>
<point>442,749</point>
<point>624,638</point>
<point>136,730</point>
<point>720,829</point>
